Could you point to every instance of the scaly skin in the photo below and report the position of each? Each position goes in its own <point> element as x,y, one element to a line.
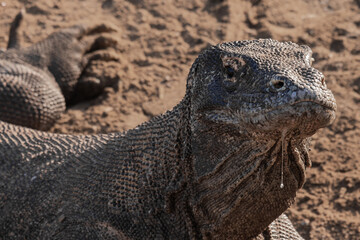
<point>210,168</point>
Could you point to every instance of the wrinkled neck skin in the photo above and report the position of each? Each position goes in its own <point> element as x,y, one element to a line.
<point>215,181</point>
<point>237,177</point>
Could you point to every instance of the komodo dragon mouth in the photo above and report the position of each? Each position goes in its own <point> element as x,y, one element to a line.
<point>304,117</point>
<point>327,105</point>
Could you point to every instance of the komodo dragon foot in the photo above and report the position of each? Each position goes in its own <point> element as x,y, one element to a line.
<point>37,82</point>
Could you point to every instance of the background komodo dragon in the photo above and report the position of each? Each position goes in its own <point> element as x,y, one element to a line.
<point>225,163</point>
<point>38,81</point>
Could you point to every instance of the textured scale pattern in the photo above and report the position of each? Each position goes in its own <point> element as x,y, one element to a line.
<point>210,168</point>
<point>119,179</point>
<point>29,95</point>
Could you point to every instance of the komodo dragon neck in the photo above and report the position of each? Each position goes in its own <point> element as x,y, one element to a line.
<point>234,171</point>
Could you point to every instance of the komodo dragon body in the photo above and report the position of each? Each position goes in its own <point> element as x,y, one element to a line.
<point>225,163</point>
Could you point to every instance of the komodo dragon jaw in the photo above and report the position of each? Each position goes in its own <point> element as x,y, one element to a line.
<point>245,96</point>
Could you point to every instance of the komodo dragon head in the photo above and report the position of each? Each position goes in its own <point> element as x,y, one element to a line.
<point>253,106</point>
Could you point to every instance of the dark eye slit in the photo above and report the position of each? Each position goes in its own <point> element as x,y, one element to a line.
<point>230,71</point>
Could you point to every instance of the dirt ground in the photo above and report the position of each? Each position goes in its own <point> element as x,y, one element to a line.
<point>159,39</point>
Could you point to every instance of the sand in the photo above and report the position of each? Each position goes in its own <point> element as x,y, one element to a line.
<point>159,39</point>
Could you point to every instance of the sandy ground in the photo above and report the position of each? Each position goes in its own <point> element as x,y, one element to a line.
<point>159,39</point>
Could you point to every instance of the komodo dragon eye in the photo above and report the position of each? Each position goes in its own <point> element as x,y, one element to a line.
<point>232,69</point>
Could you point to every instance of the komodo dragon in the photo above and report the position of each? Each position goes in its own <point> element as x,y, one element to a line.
<point>224,163</point>
<point>38,81</point>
